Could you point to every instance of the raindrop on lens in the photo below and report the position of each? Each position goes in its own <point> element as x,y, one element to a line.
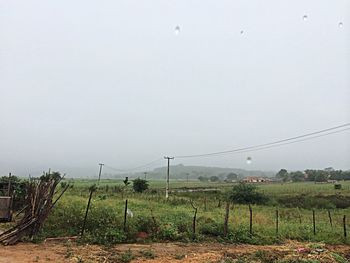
<point>242,32</point>
<point>249,160</point>
<point>305,17</point>
<point>177,30</point>
<point>340,25</point>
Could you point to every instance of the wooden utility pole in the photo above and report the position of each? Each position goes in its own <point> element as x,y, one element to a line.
<point>99,174</point>
<point>9,185</point>
<point>145,173</point>
<point>167,176</point>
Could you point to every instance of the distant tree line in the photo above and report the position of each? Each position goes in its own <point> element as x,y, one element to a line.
<point>313,175</point>
<point>229,178</point>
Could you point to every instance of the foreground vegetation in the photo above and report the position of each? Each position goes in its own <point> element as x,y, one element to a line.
<point>152,218</point>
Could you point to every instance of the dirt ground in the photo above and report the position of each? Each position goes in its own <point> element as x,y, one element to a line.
<point>69,251</point>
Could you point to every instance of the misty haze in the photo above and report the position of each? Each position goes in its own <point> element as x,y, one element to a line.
<point>129,127</point>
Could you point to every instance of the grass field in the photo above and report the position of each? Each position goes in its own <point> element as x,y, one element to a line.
<point>171,220</point>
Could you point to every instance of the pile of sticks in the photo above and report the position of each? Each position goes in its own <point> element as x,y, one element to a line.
<point>38,204</point>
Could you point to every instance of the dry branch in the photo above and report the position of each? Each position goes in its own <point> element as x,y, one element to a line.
<point>38,205</point>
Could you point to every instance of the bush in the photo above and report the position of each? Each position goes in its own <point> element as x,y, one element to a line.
<point>140,185</point>
<point>247,194</point>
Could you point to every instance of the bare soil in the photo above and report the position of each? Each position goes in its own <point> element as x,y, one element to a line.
<point>69,251</point>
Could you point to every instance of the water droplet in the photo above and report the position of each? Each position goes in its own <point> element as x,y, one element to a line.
<point>177,30</point>
<point>340,25</point>
<point>305,17</point>
<point>249,160</point>
<point>242,32</point>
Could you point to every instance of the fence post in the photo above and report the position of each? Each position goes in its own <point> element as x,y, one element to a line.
<point>226,218</point>
<point>277,222</point>
<point>250,220</point>
<point>125,213</point>
<point>314,221</point>
<point>219,204</point>
<point>344,226</point>
<point>205,203</point>
<point>299,216</point>
<point>194,221</point>
<point>92,189</point>
<point>330,218</point>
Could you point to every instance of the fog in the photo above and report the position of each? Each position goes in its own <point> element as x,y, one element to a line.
<point>83,82</point>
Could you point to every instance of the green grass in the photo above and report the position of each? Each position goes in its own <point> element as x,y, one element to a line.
<point>172,220</point>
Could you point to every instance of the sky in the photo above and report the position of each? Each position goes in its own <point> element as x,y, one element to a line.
<point>84,82</point>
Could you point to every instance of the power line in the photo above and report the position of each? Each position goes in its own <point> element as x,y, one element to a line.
<point>276,143</point>
<point>286,143</point>
<point>291,140</point>
<point>134,168</point>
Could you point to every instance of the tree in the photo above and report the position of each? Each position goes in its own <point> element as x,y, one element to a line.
<point>214,178</point>
<point>246,194</point>
<point>231,176</point>
<point>283,174</point>
<point>140,185</point>
<point>310,175</point>
<point>321,177</point>
<point>297,176</point>
<point>203,178</point>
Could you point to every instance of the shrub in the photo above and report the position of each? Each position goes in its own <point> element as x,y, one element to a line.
<point>247,194</point>
<point>140,185</point>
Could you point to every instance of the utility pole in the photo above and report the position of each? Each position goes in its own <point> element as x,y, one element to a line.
<point>99,174</point>
<point>145,175</point>
<point>167,176</point>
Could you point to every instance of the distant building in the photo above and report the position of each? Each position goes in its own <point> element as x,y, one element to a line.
<point>254,179</point>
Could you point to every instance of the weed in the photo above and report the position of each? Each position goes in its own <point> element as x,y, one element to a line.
<point>126,257</point>
<point>339,258</point>
<point>149,254</point>
<point>179,256</point>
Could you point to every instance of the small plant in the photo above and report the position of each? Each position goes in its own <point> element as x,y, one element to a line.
<point>149,254</point>
<point>69,253</point>
<point>338,258</point>
<point>226,260</point>
<point>126,257</point>
<point>180,256</point>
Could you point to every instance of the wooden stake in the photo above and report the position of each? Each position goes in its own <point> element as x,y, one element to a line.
<point>250,220</point>
<point>277,222</point>
<point>226,218</point>
<point>87,211</point>
<point>344,226</point>
<point>194,221</point>
<point>314,221</point>
<point>125,213</point>
<point>330,218</point>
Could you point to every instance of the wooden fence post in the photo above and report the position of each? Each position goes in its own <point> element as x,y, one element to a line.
<point>194,221</point>
<point>277,222</point>
<point>226,218</point>
<point>314,221</point>
<point>92,190</point>
<point>205,203</point>
<point>299,216</point>
<point>219,204</point>
<point>330,218</point>
<point>250,220</point>
<point>125,213</point>
<point>344,226</point>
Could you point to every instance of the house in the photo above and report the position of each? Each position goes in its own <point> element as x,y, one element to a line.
<point>254,179</point>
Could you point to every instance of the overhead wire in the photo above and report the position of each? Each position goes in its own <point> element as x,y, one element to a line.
<point>265,144</point>
<point>278,143</point>
<point>134,168</point>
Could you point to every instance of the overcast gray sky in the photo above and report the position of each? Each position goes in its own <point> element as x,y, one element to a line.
<point>83,82</point>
